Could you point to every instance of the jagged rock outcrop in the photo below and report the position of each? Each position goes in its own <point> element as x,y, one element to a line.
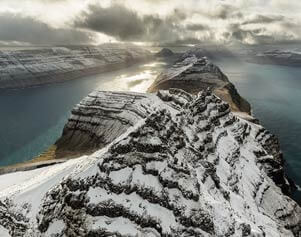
<point>94,124</point>
<point>193,72</point>
<point>26,68</point>
<point>178,165</point>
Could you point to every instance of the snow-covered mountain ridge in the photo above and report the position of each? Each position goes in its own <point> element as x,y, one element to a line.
<point>194,72</point>
<point>183,165</point>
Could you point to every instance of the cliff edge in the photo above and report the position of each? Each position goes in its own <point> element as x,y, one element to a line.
<point>168,163</point>
<point>194,72</point>
<point>176,164</point>
<point>34,67</point>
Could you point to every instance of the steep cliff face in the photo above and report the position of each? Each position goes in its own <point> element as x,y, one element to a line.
<point>193,73</point>
<point>26,68</point>
<point>178,165</point>
<point>98,120</point>
<point>94,124</point>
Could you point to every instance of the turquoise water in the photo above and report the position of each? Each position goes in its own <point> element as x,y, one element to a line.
<point>32,119</point>
<point>275,95</point>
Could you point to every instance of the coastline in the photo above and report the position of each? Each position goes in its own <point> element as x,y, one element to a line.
<point>48,157</point>
<point>72,75</point>
<point>137,147</point>
<point>44,159</point>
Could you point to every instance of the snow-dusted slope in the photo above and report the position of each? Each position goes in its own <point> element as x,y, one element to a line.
<point>98,120</point>
<point>25,68</point>
<point>186,167</point>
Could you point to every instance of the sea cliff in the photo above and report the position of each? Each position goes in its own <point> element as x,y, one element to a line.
<point>168,163</point>
<point>194,72</point>
<point>28,68</point>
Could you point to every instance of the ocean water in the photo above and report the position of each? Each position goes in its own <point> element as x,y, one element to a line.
<point>32,119</point>
<point>275,95</point>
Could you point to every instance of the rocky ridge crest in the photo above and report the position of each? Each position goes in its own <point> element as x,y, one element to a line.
<point>194,72</point>
<point>171,163</point>
<point>186,166</point>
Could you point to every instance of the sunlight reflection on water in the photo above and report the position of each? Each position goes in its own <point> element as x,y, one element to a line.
<point>155,64</point>
<point>24,135</point>
<point>136,82</point>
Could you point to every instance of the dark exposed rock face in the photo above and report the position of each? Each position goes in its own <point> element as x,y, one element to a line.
<point>11,219</point>
<point>178,165</point>
<point>193,73</point>
<point>27,68</point>
<point>165,52</point>
<point>170,163</point>
<point>98,120</point>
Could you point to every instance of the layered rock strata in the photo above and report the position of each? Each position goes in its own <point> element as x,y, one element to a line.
<point>178,165</point>
<point>193,72</point>
<point>27,68</point>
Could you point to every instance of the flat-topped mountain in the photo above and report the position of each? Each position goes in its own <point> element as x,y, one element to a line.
<point>194,72</point>
<point>171,164</point>
<point>26,68</point>
<point>281,57</point>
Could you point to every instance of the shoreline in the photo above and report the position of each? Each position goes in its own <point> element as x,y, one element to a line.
<point>31,166</point>
<point>44,159</point>
<point>48,157</point>
<point>38,81</point>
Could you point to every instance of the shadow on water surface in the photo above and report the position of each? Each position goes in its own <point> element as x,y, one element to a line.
<point>32,119</point>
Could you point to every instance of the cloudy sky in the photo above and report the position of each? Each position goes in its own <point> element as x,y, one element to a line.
<point>149,21</point>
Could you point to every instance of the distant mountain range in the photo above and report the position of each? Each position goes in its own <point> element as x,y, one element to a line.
<point>33,67</point>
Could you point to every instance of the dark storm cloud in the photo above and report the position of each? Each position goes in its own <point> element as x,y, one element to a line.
<point>260,35</point>
<point>125,24</point>
<point>50,1</point>
<point>196,27</point>
<point>263,19</point>
<point>116,21</point>
<point>224,12</point>
<point>128,25</point>
<point>185,41</point>
<point>239,34</point>
<point>29,30</point>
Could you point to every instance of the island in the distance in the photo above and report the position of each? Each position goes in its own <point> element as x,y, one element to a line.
<point>277,57</point>
<point>34,67</point>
